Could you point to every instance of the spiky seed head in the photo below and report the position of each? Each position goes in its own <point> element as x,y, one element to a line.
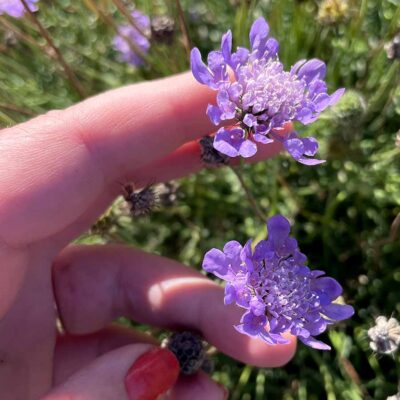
<point>141,202</point>
<point>210,155</point>
<point>188,349</point>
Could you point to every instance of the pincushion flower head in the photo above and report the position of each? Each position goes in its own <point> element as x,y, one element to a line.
<point>260,97</point>
<point>128,35</point>
<point>15,8</point>
<point>278,292</point>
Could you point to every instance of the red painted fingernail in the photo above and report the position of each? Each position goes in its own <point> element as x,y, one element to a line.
<point>224,390</point>
<point>226,394</point>
<point>152,374</point>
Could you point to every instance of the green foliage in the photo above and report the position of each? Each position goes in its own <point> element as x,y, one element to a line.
<point>343,209</point>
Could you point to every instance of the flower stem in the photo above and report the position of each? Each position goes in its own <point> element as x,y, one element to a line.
<point>21,35</point>
<point>186,38</point>
<point>123,10</point>
<point>67,69</point>
<point>252,200</point>
<point>110,22</point>
<point>20,110</point>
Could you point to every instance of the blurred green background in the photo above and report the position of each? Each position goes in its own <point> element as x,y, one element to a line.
<point>344,211</point>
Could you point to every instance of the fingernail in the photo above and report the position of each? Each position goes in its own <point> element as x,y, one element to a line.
<point>226,394</point>
<point>151,375</point>
<point>224,390</point>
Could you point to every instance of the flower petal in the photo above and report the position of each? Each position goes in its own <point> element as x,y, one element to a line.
<point>215,263</point>
<point>250,120</point>
<point>246,256</point>
<point>295,68</point>
<point>310,146</point>
<point>316,273</point>
<point>322,101</point>
<point>328,286</point>
<point>312,69</point>
<point>226,46</point>
<point>232,249</point>
<point>257,307</point>
<point>230,294</point>
<point>310,161</point>
<point>259,31</point>
<point>235,90</point>
<point>226,142</point>
<point>295,147</point>
<point>233,143</point>
<point>278,228</point>
<point>262,138</point>
<point>214,113</point>
<point>272,47</point>
<point>316,328</point>
<point>217,65</point>
<point>199,69</point>
<point>305,116</point>
<point>335,96</point>
<point>240,57</point>
<point>338,312</point>
<point>248,149</point>
<point>314,343</point>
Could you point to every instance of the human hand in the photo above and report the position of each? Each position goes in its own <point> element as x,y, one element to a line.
<point>59,173</point>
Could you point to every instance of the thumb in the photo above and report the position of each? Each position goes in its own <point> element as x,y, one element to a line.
<point>134,372</point>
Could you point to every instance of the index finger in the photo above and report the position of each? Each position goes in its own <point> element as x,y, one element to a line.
<point>58,164</point>
<point>93,285</point>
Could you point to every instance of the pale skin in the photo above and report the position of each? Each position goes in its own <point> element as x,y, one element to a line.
<point>59,172</point>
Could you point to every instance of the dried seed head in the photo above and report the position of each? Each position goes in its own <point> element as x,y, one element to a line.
<point>332,12</point>
<point>394,397</point>
<point>162,29</point>
<point>210,155</point>
<point>398,139</point>
<point>393,48</point>
<point>141,202</point>
<point>10,39</point>
<point>385,335</point>
<point>188,349</point>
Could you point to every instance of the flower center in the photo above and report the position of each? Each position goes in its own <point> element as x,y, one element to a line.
<point>284,290</point>
<point>269,91</point>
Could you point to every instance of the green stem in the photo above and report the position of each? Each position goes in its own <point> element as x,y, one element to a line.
<point>186,38</point>
<point>67,69</point>
<point>128,16</point>
<point>252,200</point>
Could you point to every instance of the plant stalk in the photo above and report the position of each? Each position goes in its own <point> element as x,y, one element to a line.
<point>182,22</point>
<point>67,69</point>
<point>252,200</point>
<point>128,16</point>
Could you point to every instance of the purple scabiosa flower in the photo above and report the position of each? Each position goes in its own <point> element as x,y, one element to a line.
<point>260,97</point>
<point>128,34</point>
<point>15,8</point>
<point>277,290</point>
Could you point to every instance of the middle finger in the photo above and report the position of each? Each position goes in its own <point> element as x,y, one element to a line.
<point>96,284</point>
